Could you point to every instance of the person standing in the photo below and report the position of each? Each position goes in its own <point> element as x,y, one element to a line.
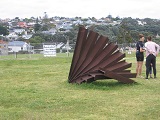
<point>152,50</point>
<point>150,70</point>
<point>140,55</point>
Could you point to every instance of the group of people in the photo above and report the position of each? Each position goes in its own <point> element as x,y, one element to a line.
<point>151,49</point>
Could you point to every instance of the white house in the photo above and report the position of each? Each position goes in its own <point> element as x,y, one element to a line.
<point>16,46</point>
<point>26,36</point>
<point>52,31</point>
<point>12,36</point>
<point>67,47</point>
<point>19,31</point>
<point>59,45</point>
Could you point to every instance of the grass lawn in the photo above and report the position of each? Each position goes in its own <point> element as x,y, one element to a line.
<point>37,89</point>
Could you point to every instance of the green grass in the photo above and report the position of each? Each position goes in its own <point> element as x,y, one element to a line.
<point>37,89</point>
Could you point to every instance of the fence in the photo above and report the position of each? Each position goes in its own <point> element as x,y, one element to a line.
<point>36,51</point>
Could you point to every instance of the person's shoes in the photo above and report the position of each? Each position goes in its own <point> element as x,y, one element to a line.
<point>141,76</point>
<point>146,78</point>
<point>151,77</point>
<point>155,77</point>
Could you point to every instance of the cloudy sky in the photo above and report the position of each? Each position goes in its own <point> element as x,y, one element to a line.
<point>80,8</point>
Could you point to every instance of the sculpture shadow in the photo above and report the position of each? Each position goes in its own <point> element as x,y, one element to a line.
<point>106,85</point>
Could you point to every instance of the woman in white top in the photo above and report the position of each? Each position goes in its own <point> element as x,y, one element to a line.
<point>152,50</point>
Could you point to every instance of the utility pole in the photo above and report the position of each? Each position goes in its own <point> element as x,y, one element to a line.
<point>67,45</point>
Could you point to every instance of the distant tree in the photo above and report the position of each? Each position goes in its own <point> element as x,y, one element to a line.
<point>157,40</point>
<point>124,32</point>
<point>37,26</point>
<point>45,19</point>
<point>109,16</point>
<point>149,21</point>
<point>45,15</point>
<point>134,35</point>
<point>62,29</point>
<point>36,39</point>
<point>3,31</point>
<point>128,37</point>
<point>93,18</point>
<point>17,19</point>
<point>84,19</point>
<point>44,28</point>
<point>26,20</point>
<point>103,30</point>
<point>117,18</point>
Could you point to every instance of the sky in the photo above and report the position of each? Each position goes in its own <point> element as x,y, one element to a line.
<point>80,8</point>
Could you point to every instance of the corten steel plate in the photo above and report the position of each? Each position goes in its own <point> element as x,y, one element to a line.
<point>96,58</point>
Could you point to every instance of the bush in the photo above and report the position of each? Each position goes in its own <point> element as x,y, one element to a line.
<point>58,50</point>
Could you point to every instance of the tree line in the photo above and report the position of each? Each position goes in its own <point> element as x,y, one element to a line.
<point>125,32</point>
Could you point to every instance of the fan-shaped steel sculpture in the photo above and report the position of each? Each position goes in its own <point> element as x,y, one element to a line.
<point>96,58</point>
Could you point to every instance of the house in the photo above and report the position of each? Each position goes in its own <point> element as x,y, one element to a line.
<point>3,48</point>
<point>12,36</point>
<point>16,46</point>
<point>89,22</point>
<point>78,22</point>
<point>60,45</point>
<point>66,47</point>
<point>141,22</point>
<point>19,30</point>
<point>52,31</point>
<point>26,36</point>
<point>22,24</point>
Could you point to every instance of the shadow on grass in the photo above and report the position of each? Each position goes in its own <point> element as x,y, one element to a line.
<point>105,85</point>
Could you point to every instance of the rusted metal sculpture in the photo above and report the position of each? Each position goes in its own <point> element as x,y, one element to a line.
<point>96,58</point>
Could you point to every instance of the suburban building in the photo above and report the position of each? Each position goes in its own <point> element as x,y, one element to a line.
<point>17,46</point>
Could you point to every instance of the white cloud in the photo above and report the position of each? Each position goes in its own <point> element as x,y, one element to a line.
<point>80,8</point>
